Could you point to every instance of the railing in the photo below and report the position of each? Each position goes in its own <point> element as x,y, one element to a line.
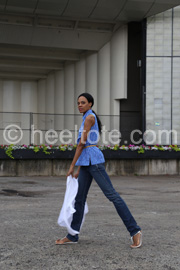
<point>55,129</point>
<point>44,128</point>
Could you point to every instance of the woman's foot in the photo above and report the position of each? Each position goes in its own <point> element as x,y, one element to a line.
<point>136,240</point>
<point>64,241</point>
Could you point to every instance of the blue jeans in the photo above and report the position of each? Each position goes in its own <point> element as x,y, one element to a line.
<point>97,171</point>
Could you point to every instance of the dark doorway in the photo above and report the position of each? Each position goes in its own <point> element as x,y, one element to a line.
<point>132,108</point>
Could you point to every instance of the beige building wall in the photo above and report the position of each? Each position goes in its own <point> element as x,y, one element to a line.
<point>163,78</point>
<point>103,74</point>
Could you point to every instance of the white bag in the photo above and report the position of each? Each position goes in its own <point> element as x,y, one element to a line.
<point>67,210</point>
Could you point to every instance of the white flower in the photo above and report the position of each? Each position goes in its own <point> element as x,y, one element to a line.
<point>154,148</point>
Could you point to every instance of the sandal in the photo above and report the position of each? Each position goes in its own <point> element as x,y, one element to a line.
<point>64,241</point>
<point>138,241</point>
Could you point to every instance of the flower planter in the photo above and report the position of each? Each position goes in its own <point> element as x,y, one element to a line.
<point>3,154</point>
<point>30,154</point>
<point>157,154</point>
<point>108,154</point>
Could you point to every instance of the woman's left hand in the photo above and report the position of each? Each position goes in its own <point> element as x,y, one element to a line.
<point>71,170</point>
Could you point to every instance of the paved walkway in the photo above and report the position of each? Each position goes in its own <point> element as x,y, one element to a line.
<point>30,207</point>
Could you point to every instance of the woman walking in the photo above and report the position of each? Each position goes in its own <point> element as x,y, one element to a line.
<point>90,160</point>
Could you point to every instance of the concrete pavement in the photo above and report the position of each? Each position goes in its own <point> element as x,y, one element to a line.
<point>30,207</point>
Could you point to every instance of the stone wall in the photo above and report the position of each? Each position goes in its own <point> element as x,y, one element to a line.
<point>55,167</point>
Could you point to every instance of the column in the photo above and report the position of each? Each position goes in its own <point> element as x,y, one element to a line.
<point>103,93</point>
<point>91,77</point>
<point>41,109</point>
<point>80,87</point>
<point>28,109</point>
<point>1,111</point>
<point>41,96</point>
<point>12,104</point>
<point>50,84</point>
<point>118,71</point>
<point>59,103</point>
<point>69,101</point>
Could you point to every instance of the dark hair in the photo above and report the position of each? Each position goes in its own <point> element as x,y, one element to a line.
<point>91,100</point>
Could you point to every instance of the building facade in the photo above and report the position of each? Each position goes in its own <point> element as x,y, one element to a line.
<point>52,53</point>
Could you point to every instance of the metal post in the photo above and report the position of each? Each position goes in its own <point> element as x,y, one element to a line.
<point>31,123</point>
<point>143,77</point>
<point>172,67</point>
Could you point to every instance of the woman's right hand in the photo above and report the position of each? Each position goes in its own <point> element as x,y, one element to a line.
<point>76,175</point>
<point>71,171</point>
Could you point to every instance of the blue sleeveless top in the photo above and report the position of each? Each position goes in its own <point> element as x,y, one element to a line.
<point>90,154</point>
